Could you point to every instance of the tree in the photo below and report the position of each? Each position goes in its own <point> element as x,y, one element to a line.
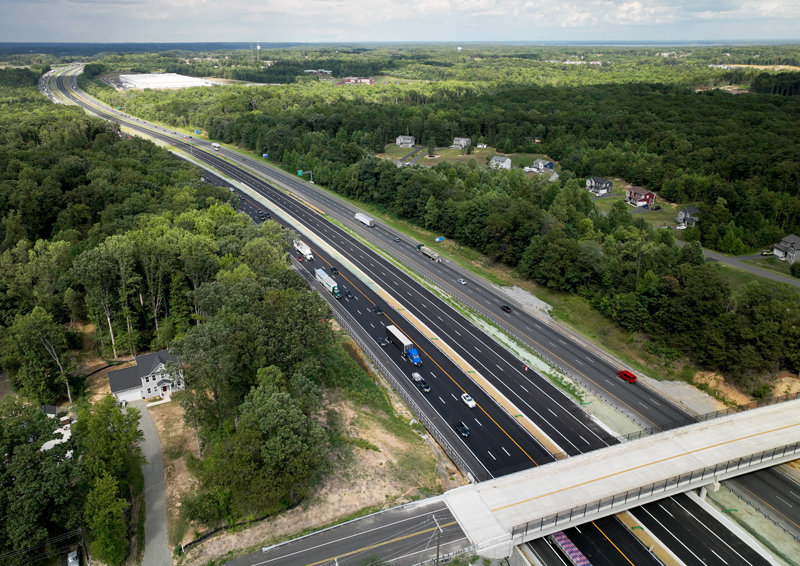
<point>36,342</point>
<point>104,515</point>
<point>96,271</point>
<point>110,439</point>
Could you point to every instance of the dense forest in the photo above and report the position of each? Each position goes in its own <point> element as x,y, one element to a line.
<point>117,238</point>
<point>735,156</point>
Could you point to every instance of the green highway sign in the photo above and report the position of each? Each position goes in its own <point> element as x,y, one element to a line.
<point>299,172</point>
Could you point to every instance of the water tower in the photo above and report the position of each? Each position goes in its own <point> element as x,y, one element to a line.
<point>458,49</point>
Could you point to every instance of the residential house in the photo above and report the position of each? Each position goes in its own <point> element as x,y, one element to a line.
<point>356,81</point>
<point>498,162</point>
<point>637,196</point>
<point>688,216</point>
<point>147,379</point>
<point>405,141</point>
<point>318,72</point>
<point>460,143</point>
<point>50,411</point>
<point>786,248</point>
<point>548,174</point>
<point>599,186</point>
<point>542,164</point>
<point>481,146</point>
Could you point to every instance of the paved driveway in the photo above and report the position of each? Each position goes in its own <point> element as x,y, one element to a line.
<point>156,551</point>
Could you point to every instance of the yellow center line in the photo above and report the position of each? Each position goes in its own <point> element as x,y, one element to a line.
<point>587,482</point>
<point>374,546</point>
<point>612,543</point>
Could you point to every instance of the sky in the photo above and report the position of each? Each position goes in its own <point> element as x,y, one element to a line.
<point>118,21</point>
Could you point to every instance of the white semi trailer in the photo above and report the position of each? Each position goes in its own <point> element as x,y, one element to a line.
<point>303,250</point>
<point>364,219</point>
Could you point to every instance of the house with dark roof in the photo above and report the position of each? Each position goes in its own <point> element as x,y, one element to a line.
<point>405,141</point>
<point>499,162</point>
<point>786,248</point>
<point>637,196</point>
<point>542,164</point>
<point>50,411</point>
<point>147,379</point>
<point>599,186</point>
<point>690,216</point>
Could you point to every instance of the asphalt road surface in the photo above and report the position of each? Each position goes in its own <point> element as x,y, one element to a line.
<point>774,494</point>
<point>608,542</point>
<point>693,535</point>
<point>405,535</point>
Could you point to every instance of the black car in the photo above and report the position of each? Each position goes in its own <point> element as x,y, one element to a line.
<point>505,308</point>
<point>348,294</point>
<point>334,271</point>
<point>266,214</point>
<point>261,216</point>
<point>381,341</point>
<point>377,310</point>
<point>462,429</point>
<point>655,208</point>
<point>424,387</point>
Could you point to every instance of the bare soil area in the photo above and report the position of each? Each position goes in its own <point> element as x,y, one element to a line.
<point>406,466</point>
<point>718,386</point>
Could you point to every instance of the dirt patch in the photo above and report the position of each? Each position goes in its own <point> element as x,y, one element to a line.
<point>406,466</point>
<point>786,385</point>
<point>718,387</point>
<point>177,442</point>
<point>5,385</point>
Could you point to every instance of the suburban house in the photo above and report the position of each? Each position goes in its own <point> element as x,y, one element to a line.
<point>548,174</point>
<point>481,146</point>
<point>637,196</point>
<point>148,378</point>
<point>599,186</point>
<point>318,72</point>
<point>785,250</point>
<point>688,216</point>
<point>541,164</point>
<point>405,141</point>
<point>460,143</point>
<point>356,81</point>
<point>498,162</point>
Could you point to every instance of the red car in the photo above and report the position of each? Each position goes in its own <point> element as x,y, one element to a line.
<point>299,258</point>
<point>627,376</point>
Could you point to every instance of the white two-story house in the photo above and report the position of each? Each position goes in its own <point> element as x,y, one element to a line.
<point>147,379</point>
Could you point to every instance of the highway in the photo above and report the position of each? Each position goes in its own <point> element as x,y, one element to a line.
<point>607,542</point>
<point>676,520</point>
<point>503,446</point>
<point>405,535</point>
<point>774,494</point>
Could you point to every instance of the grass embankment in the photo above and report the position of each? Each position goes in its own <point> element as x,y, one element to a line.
<point>771,264</point>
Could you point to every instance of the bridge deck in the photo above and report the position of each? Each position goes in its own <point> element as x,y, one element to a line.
<point>489,511</point>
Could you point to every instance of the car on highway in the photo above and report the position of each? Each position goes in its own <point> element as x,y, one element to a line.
<point>627,376</point>
<point>767,252</point>
<point>267,214</point>
<point>381,341</point>
<point>506,308</point>
<point>468,401</point>
<point>397,239</point>
<point>334,270</point>
<point>462,429</point>
<point>299,258</point>
<point>232,190</point>
<point>261,216</point>
<point>462,281</point>
<point>348,294</point>
<point>422,386</point>
<point>241,197</point>
<point>377,310</point>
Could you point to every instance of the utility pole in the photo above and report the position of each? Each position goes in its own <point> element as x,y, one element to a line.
<point>438,538</point>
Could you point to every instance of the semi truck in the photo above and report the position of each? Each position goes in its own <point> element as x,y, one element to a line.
<point>303,249</point>
<point>425,250</point>
<point>406,346</point>
<point>364,219</point>
<point>215,146</point>
<point>328,283</point>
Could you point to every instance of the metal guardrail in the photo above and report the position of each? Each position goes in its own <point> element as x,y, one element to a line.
<point>758,507</point>
<point>410,403</point>
<point>622,499</point>
<point>713,415</point>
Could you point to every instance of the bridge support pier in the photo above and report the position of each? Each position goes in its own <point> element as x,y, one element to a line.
<point>704,490</point>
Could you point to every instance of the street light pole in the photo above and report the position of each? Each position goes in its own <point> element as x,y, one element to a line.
<point>438,538</point>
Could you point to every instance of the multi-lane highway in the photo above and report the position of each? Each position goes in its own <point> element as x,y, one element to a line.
<point>497,444</point>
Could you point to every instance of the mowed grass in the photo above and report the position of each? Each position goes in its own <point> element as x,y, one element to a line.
<point>393,151</point>
<point>771,264</point>
<point>656,218</point>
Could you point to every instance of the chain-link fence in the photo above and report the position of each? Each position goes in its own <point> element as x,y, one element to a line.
<point>621,500</point>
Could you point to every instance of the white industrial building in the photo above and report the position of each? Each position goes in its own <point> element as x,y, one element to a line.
<point>162,80</point>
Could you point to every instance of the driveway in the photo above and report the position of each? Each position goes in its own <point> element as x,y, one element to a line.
<point>156,551</point>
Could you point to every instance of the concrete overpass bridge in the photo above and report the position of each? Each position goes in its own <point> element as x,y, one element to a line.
<point>498,514</point>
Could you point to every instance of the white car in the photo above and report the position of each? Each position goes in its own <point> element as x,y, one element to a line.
<point>462,281</point>
<point>468,400</point>
<point>681,227</point>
